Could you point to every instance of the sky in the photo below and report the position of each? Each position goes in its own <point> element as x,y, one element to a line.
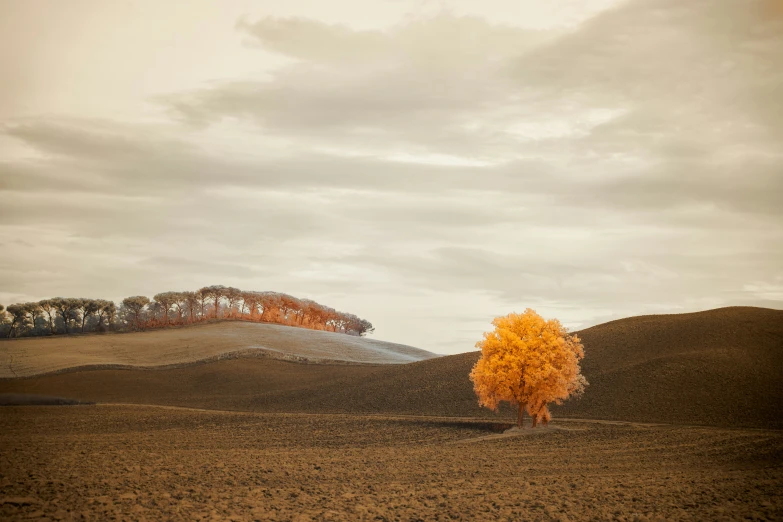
<point>426,165</point>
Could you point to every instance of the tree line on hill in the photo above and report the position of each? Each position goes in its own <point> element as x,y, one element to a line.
<point>66,315</point>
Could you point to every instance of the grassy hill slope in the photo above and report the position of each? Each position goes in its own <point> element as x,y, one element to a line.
<point>177,346</point>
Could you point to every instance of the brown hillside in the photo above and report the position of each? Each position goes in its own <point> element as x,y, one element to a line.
<point>31,356</point>
<point>720,367</point>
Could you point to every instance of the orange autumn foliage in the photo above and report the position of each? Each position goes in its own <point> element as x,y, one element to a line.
<point>528,362</point>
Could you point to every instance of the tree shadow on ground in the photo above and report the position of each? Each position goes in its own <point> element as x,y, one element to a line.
<point>27,399</point>
<point>467,424</point>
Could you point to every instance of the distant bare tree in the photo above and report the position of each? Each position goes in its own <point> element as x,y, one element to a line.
<point>77,312</point>
<point>340,322</point>
<point>233,296</point>
<point>277,309</point>
<point>180,304</point>
<point>34,310</point>
<point>68,308</point>
<point>106,309</point>
<point>89,307</point>
<point>242,303</point>
<point>62,310</point>
<point>250,301</point>
<point>48,306</point>
<point>154,315</point>
<point>328,316</point>
<point>357,326</point>
<point>134,308</point>
<point>313,315</point>
<point>201,299</point>
<point>110,309</point>
<point>325,315</point>
<point>289,305</point>
<point>165,300</point>
<point>139,313</point>
<point>270,304</point>
<point>18,318</point>
<point>191,303</point>
<point>209,294</point>
<point>214,293</point>
<point>365,327</point>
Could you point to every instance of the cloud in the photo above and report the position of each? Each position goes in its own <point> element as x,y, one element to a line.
<point>419,84</point>
<point>658,104</point>
<point>445,165</point>
<point>694,77</point>
<point>126,162</point>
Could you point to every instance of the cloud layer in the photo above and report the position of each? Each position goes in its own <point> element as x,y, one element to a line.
<point>431,174</point>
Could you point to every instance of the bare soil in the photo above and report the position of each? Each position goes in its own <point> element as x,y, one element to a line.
<point>141,463</point>
<point>664,432</point>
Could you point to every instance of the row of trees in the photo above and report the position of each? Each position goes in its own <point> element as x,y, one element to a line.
<point>64,315</point>
<point>57,315</point>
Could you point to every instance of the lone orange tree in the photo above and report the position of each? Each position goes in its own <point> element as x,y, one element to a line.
<point>528,362</point>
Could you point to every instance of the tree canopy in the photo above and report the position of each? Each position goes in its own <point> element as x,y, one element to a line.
<point>69,314</point>
<point>529,362</point>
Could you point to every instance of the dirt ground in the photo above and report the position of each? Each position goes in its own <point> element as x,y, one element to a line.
<point>117,462</point>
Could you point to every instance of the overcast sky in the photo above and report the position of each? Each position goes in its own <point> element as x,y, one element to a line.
<point>427,165</point>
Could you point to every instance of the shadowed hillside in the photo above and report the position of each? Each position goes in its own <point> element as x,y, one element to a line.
<point>720,367</point>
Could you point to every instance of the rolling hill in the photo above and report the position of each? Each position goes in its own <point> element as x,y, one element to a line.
<point>199,343</point>
<point>721,367</point>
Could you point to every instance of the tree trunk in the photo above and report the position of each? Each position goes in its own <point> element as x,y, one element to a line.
<point>520,415</point>
<point>535,420</point>
<point>65,323</point>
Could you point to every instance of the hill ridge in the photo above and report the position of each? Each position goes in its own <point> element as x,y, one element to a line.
<point>201,343</point>
<point>682,314</point>
<point>722,368</point>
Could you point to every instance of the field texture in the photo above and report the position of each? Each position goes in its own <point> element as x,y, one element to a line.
<point>142,463</point>
<point>180,346</point>
<point>681,422</point>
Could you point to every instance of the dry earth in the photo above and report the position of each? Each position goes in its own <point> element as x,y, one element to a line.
<point>147,463</point>
<point>408,442</point>
<point>178,346</point>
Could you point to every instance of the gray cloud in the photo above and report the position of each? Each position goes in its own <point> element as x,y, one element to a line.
<point>108,161</point>
<point>444,168</point>
<point>419,84</point>
<point>676,62</point>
